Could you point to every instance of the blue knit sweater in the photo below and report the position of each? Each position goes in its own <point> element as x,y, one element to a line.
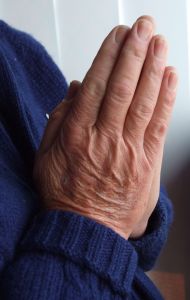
<point>56,254</point>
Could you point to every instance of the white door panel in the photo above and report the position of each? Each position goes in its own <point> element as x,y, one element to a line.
<point>82,26</point>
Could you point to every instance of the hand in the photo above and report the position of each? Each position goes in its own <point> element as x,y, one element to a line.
<point>101,153</point>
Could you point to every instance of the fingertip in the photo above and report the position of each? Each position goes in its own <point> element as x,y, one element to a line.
<point>75,83</point>
<point>73,89</point>
<point>169,69</point>
<point>148,18</point>
<point>121,33</point>
<point>171,78</point>
<point>118,27</point>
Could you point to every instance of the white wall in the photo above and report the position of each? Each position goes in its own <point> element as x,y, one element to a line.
<point>82,26</point>
<point>33,16</point>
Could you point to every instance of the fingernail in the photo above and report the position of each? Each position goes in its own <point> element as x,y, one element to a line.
<point>144,29</point>
<point>120,34</point>
<point>172,81</point>
<point>160,48</point>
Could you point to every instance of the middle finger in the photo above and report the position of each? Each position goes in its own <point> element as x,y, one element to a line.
<point>124,79</point>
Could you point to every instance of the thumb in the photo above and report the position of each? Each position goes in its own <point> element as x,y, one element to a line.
<point>56,118</point>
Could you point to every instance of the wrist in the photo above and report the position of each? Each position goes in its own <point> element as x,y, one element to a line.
<point>139,230</point>
<point>117,227</point>
<point>99,217</point>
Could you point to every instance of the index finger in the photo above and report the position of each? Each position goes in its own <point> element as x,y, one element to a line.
<point>93,88</point>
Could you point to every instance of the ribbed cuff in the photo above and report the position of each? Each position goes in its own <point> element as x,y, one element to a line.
<point>151,243</point>
<point>87,243</point>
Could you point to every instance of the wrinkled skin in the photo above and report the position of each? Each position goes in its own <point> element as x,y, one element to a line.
<point>102,150</point>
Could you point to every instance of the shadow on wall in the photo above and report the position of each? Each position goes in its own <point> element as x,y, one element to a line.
<point>175,256</point>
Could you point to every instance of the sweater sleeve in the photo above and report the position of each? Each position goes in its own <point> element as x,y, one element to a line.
<point>67,256</point>
<point>151,243</point>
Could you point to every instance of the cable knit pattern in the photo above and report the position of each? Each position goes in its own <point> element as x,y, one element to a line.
<point>62,255</point>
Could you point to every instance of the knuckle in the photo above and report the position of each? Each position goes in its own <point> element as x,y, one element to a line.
<point>169,100</point>
<point>135,51</point>
<point>109,52</point>
<point>157,131</point>
<point>93,87</point>
<point>120,90</point>
<point>142,110</point>
<point>108,131</point>
<point>155,71</point>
